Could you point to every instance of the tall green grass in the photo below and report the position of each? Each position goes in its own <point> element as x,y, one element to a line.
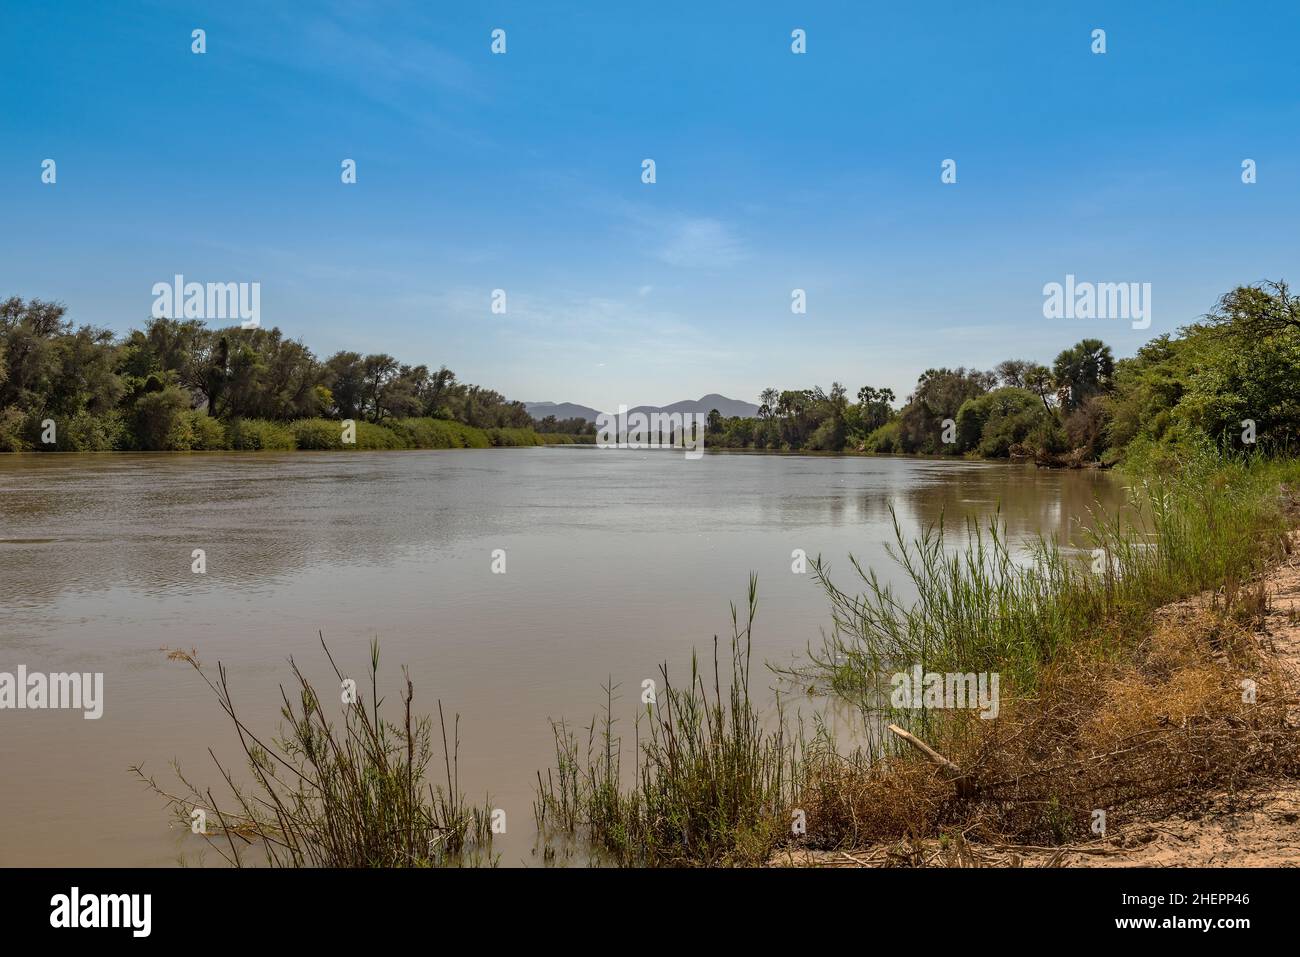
<point>982,606</point>
<point>560,438</point>
<point>337,794</point>
<point>713,781</point>
<point>259,435</point>
<point>510,438</point>
<point>195,430</point>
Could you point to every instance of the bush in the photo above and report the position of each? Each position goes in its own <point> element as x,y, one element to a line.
<point>353,790</point>
<point>11,430</point>
<point>317,434</point>
<point>423,433</point>
<point>256,435</point>
<point>513,438</point>
<point>884,439</point>
<point>443,434</point>
<point>82,432</point>
<point>828,437</point>
<point>97,433</point>
<point>414,433</point>
<point>991,424</point>
<point>209,435</point>
<point>371,436</point>
<point>161,421</point>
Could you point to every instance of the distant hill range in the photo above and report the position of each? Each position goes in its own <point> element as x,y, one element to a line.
<point>561,410</point>
<point>569,410</point>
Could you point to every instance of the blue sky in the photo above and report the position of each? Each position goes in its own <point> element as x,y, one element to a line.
<point>775,171</point>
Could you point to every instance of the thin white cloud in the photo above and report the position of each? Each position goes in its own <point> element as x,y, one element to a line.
<point>701,243</point>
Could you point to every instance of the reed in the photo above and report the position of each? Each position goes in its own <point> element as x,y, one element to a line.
<point>712,780</point>
<point>984,606</point>
<point>336,794</point>
<point>1121,668</point>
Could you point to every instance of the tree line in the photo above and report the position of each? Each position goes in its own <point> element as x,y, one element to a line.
<point>177,384</point>
<point>1231,377</point>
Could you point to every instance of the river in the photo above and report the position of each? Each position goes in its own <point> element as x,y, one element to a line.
<point>614,561</point>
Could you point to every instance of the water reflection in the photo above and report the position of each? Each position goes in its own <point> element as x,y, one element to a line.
<point>617,562</point>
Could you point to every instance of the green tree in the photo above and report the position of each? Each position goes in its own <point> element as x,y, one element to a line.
<point>1083,371</point>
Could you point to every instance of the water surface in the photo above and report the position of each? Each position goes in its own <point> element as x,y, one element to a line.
<point>615,561</point>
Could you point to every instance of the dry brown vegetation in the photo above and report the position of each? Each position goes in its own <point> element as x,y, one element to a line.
<point>1163,733</point>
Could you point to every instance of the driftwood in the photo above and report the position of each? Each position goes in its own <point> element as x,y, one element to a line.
<point>965,786</point>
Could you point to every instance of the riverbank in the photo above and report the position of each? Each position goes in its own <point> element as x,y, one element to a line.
<point>1251,825</point>
<point>1195,760</point>
<point>1134,688</point>
<point>1085,664</point>
<point>198,432</point>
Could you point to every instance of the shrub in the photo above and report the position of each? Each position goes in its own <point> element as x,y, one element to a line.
<point>11,430</point>
<point>99,433</point>
<point>992,423</point>
<point>371,436</point>
<point>507,437</point>
<point>209,435</point>
<point>829,436</point>
<point>255,435</point>
<point>317,434</point>
<point>81,432</point>
<point>351,789</point>
<point>423,433</point>
<point>713,777</point>
<point>161,421</point>
<point>443,434</point>
<point>884,439</point>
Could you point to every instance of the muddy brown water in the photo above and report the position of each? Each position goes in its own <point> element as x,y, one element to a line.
<point>615,562</point>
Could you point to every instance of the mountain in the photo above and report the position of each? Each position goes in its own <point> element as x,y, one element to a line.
<point>569,410</point>
<point>727,407</point>
<point>561,410</point>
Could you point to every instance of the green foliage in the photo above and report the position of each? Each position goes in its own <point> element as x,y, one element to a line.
<point>317,434</point>
<point>505,437</point>
<point>85,431</point>
<point>371,437</point>
<point>1205,521</point>
<point>885,439</point>
<point>351,787</point>
<point>1082,372</point>
<point>412,433</point>
<point>208,434</point>
<point>993,424</point>
<point>12,422</point>
<point>714,780</point>
<point>574,426</point>
<point>1236,371</point>
<point>939,396</point>
<point>161,421</point>
<point>425,433</point>
<point>157,389</point>
<point>258,435</point>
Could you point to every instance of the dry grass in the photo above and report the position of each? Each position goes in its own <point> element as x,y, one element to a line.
<point>1140,740</point>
